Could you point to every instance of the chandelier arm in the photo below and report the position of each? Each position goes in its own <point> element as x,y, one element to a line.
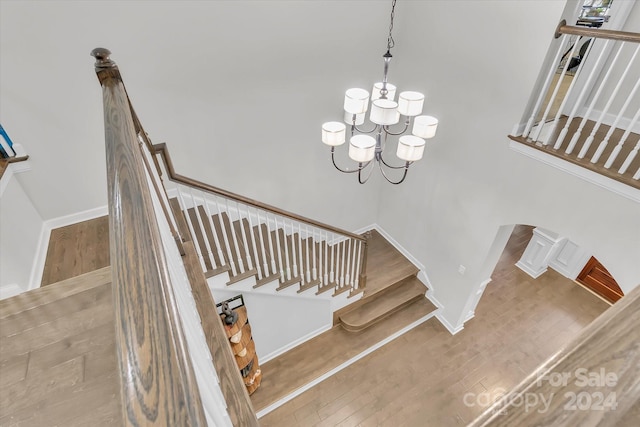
<point>388,132</point>
<point>363,131</point>
<point>333,160</point>
<point>405,166</point>
<point>360,173</point>
<point>404,175</point>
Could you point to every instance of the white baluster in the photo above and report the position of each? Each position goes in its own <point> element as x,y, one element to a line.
<point>216,240</point>
<point>344,249</point>
<point>553,96</point>
<point>325,278</point>
<point>286,250</point>
<point>243,234</point>
<point>294,256</point>
<point>265,265</point>
<point>252,238</point>
<point>283,276</point>
<point>182,203</point>
<point>225,237</point>
<point>614,126</point>
<point>347,276</point>
<point>207,244</point>
<point>545,87</point>
<point>578,132</point>
<point>234,237</point>
<point>272,254</point>
<point>301,261</point>
<point>618,147</point>
<point>314,270</point>
<point>627,162</point>
<point>585,89</point>
<point>332,277</point>
<point>636,175</point>
<point>357,274</point>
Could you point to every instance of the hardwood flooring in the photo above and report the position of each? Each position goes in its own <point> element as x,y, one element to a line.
<point>419,379</point>
<point>57,355</point>
<point>77,249</point>
<point>422,377</point>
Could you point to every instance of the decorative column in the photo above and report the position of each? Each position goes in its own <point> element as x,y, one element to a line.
<point>539,252</point>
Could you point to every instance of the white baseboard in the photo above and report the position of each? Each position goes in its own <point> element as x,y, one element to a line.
<point>534,274</point>
<point>74,218</point>
<point>295,343</point>
<point>9,291</point>
<point>452,329</point>
<point>37,269</point>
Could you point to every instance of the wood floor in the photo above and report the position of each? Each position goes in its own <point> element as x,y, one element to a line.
<point>57,355</point>
<point>77,249</point>
<point>421,378</point>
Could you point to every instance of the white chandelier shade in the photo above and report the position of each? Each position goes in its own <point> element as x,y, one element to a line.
<point>425,126</point>
<point>356,101</point>
<point>333,133</point>
<point>384,112</point>
<point>362,148</point>
<point>410,148</point>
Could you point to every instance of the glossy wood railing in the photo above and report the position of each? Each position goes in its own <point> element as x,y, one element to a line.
<point>158,382</point>
<point>247,237</point>
<point>586,110</point>
<point>594,380</point>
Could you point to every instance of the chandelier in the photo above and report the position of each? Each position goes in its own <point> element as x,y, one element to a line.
<point>384,113</point>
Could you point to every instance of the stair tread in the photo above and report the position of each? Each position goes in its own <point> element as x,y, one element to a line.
<point>383,305</point>
<point>386,266</point>
<point>54,292</point>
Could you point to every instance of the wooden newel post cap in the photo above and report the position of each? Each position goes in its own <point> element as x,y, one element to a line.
<point>102,58</point>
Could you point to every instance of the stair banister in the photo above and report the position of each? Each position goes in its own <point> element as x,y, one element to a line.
<point>293,263</point>
<point>626,36</point>
<point>157,380</point>
<point>607,352</point>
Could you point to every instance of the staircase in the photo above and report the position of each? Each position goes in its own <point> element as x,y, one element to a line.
<point>240,249</point>
<point>57,355</point>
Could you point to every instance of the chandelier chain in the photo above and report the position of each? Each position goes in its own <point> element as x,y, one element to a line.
<point>390,42</point>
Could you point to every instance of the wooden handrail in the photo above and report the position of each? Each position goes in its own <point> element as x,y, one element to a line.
<point>626,36</point>
<point>594,380</point>
<point>162,150</point>
<point>158,386</point>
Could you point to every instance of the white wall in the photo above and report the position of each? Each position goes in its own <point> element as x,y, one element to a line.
<point>280,322</point>
<point>470,183</point>
<point>238,89</point>
<point>20,231</point>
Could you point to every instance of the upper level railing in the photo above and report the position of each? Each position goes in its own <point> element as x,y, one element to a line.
<point>587,109</point>
<point>164,356</point>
